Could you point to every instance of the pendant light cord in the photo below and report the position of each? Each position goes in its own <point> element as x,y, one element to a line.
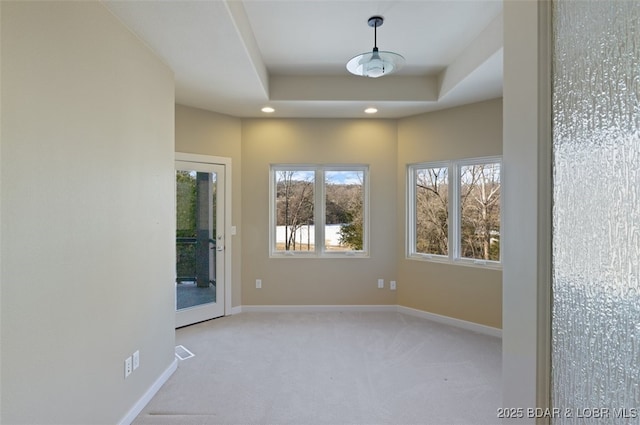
<point>375,35</point>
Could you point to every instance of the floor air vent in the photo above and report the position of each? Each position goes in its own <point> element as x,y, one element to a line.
<point>182,353</point>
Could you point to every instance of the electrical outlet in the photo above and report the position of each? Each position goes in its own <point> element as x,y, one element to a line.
<point>258,283</point>
<point>392,285</point>
<point>127,367</point>
<point>136,359</point>
<point>380,283</point>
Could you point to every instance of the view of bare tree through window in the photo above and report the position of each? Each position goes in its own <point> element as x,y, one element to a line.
<point>298,210</point>
<point>344,191</point>
<point>480,211</point>
<point>294,208</point>
<point>455,210</point>
<point>432,211</point>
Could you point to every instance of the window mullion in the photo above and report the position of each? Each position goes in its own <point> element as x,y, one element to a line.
<point>454,211</point>
<point>411,208</point>
<point>319,211</point>
<point>273,225</point>
<point>366,212</point>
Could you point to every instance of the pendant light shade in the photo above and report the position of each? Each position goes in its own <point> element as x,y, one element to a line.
<point>375,64</point>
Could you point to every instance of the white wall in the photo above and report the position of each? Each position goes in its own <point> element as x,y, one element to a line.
<point>87,214</point>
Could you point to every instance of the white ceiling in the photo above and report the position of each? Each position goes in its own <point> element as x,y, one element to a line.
<point>234,57</point>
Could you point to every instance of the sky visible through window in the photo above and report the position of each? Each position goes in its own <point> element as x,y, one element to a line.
<point>332,177</point>
<point>344,177</point>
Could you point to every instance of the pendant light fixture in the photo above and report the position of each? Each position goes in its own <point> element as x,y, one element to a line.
<point>375,64</point>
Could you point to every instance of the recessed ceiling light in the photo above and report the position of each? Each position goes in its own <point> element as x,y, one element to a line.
<point>268,109</point>
<point>370,110</point>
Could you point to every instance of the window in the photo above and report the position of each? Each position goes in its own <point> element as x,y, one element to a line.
<point>480,211</point>
<point>327,204</point>
<point>454,211</point>
<point>432,207</point>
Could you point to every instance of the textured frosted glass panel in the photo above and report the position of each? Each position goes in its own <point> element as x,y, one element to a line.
<point>596,213</point>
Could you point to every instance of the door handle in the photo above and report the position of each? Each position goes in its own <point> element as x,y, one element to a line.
<point>220,248</point>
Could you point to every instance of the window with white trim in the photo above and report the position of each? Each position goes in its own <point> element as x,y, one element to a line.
<point>454,211</point>
<point>319,210</point>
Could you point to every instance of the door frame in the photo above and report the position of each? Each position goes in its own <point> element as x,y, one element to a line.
<point>527,156</point>
<point>226,162</point>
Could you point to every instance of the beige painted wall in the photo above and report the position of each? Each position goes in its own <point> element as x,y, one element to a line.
<point>318,281</point>
<point>468,293</point>
<point>87,214</point>
<point>208,133</point>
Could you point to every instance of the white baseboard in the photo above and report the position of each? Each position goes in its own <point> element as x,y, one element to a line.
<point>146,398</point>
<point>446,320</point>
<point>316,308</point>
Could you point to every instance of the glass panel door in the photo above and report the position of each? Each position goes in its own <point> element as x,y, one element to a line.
<point>199,242</point>
<point>596,213</point>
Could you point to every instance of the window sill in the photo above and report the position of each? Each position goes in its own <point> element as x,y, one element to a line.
<point>480,264</point>
<point>342,255</point>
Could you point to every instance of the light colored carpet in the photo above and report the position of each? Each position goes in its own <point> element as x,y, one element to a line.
<point>330,368</point>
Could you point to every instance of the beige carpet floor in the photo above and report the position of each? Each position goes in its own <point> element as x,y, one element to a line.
<point>330,368</point>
